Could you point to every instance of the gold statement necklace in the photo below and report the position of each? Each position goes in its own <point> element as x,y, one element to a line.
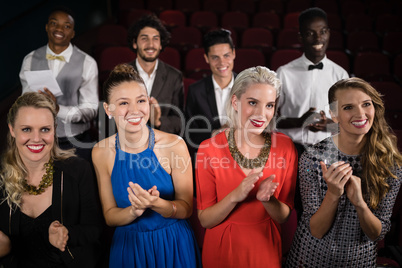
<point>244,162</point>
<point>46,181</point>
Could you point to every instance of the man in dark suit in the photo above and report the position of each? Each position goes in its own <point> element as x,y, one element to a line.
<point>148,37</point>
<point>205,104</point>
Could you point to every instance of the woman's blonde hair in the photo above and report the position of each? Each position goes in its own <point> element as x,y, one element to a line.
<point>248,77</point>
<point>13,170</point>
<point>380,155</point>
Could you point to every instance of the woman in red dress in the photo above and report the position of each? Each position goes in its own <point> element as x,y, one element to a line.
<point>246,178</point>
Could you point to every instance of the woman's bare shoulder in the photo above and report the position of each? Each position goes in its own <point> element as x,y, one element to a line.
<point>105,147</point>
<point>169,142</point>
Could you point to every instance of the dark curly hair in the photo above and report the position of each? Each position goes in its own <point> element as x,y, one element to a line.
<point>147,21</point>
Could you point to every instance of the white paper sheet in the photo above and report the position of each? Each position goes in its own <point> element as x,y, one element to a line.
<point>37,80</point>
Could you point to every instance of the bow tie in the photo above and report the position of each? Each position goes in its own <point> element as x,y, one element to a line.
<point>53,57</point>
<point>317,66</point>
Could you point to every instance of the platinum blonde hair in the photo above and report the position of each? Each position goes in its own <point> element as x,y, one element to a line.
<point>246,78</point>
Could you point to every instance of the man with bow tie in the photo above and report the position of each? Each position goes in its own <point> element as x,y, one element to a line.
<point>77,75</point>
<point>303,104</point>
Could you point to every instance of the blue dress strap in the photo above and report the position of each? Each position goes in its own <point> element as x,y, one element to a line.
<point>117,144</point>
<point>151,141</point>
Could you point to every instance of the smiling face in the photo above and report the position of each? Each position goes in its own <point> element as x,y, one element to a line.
<point>129,106</point>
<point>256,107</point>
<point>148,44</point>
<point>220,59</point>
<point>34,132</point>
<point>355,112</point>
<point>60,31</point>
<point>315,38</point>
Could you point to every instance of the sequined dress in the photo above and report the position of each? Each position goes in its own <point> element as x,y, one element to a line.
<point>151,240</point>
<point>345,244</point>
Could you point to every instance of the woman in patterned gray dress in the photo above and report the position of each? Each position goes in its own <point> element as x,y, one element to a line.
<point>348,183</point>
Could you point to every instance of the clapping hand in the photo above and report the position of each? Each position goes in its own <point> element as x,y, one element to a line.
<point>49,94</point>
<point>354,191</point>
<point>241,192</point>
<point>336,177</point>
<point>302,121</point>
<point>267,189</point>
<point>154,191</point>
<point>155,114</point>
<point>320,124</point>
<point>58,235</point>
<point>141,199</point>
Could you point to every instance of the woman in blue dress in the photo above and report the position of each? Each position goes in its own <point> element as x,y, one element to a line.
<point>145,181</point>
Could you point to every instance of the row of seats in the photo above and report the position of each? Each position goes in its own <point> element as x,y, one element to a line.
<point>195,68</point>
<point>384,22</point>
<point>341,7</point>
<point>267,40</point>
<point>386,29</point>
<point>355,49</point>
<point>288,35</point>
<point>192,62</point>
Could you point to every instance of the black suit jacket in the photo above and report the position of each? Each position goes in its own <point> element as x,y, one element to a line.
<point>201,102</point>
<point>168,90</point>
<point>78,208</point>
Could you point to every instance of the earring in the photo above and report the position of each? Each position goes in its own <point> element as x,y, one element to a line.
<point>110,116</point>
